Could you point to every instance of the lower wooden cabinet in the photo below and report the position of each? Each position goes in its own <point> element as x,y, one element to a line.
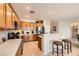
<point>39,43</point>
<point>34,37</point>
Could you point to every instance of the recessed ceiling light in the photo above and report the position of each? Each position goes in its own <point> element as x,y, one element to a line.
<point>13,14</point>
<point>50,13</point>
<point>32,11</point>
<point>27,16</point>
<point>28,7</point>
<point>42,18</point>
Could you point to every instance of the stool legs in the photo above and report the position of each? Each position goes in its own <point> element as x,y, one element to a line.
<point>52,49</point>
<point>62,50</point>
<point>57,51</point>
<point>70,47</point>
<point>64,45</point>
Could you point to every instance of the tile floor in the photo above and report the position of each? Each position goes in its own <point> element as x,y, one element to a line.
<point>75,52</point>
<point>31,49</point>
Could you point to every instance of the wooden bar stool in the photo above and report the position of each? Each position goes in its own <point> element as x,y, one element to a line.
<point>57,43</point>
<point>68,44</point>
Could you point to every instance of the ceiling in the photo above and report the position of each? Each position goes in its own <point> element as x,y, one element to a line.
<point>47,11</point>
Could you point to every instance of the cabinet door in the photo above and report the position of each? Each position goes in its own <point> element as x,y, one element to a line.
<point>18,22</point>
<point>2,16</point>
<point>28,25</point>
<point>23,25</point>
<point>34,26</point>
<point>8,17</point>
<point>13,18</point>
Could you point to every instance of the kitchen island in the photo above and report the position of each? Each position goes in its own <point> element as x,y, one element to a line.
<point>11,47</point>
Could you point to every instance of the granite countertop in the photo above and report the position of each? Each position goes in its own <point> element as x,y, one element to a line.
<point>41,36</point>
<point>10,47</point>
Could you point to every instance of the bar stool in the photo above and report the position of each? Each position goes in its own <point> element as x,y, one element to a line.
<point>68,44</point>
<point>57,43</point>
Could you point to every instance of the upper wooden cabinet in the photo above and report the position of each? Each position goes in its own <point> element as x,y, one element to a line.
<point>16,19</point>
<point>9,20</point>
<point>13,19</point>
<point>2,16</point>
<point>34,26</point>
<point>28,25</point>
<point>23,25</point>
<point>8,17</point>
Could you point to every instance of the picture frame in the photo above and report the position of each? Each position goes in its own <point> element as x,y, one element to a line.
<point>54,27</point>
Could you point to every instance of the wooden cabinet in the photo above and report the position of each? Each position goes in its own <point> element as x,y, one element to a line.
<point>34,37</point>
<point>7,17</point>
<point>31,25</point>
<point>40,43</point>
<point>34,26</point>
<point>24,25</point>
<point>17,20</point>
<point>2,16</point>
<point>9,24</point>
<point>13,19</point>
<point>28,25</point>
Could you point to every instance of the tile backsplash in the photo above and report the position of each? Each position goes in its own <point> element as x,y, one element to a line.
<point>3,33</point>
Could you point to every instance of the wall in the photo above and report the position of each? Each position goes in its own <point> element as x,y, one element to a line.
<point>64,32</point>
<point>78,27</point>
<point>30,31</point>
<point>4,33</point>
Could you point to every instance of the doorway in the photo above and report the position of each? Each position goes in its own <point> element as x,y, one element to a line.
<point>74,29</point>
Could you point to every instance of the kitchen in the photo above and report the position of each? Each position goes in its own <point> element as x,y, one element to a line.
<point>12,28</point>
<point>33,29</point>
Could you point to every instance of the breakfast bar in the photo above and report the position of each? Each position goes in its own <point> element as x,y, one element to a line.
<point>11,47</point>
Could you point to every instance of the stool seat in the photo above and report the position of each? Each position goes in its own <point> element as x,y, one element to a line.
<point>57,42</point>
<point>66,40</point>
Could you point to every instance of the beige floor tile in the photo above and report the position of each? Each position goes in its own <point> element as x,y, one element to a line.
<point>31,49</point>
